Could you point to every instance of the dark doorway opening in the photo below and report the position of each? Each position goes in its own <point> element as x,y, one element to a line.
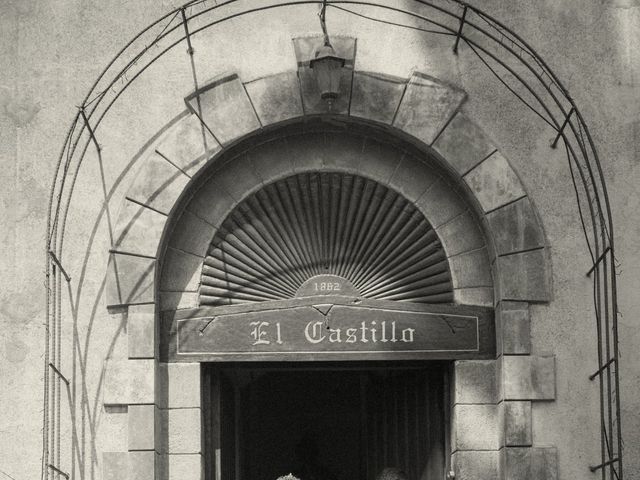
<point>331,423</point>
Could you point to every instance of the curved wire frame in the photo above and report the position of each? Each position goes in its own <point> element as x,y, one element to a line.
<point>513,62</point>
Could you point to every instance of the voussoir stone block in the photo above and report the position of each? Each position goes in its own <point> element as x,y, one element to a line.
<point>412,178</point>
<point>315,153</point>
<point>513,324</point>
<point>475,382</point>
<point>142,427</point>
<point>138,229</point>
<point>192,234</point>
<point>477,465</point>
<point>426,107</point>
<point>481,296</point>
<point>188,144</point>
<point>129,382</point>
<point>182,467</point>
<point>379,161</point>
<point>238,177</point>
<point>178,300</point>
<point>494,182</point>
<point>517,424</point>
<point>440,203</point>
<point>461,234</point>
<point>376,96</point>
<point>471,269</point>
<point>141,331</point>
<point>224,107</point>
<point>276,98</point>
<point>347,153</point>
<point>181,271</point>
<point>515,227</point>
<point>524,276</point>
<point>158,184</point>
<point>476,427</point>
<point>180,385</point>
<point>530,463</point>
<point>463,144</point>
<point>305,48</point>
<point>130,280</point>
<point>212,203</point>
<point>528,377</point>
<point>183,433</point>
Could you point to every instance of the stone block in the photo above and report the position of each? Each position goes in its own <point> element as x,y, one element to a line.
<point>183,430</point>
<point>513,324</point>
<point>138,229</point>
<point>276,98</point>
<point>143,466</point>
<point>494,182</point>
<point>212,203</point>
<point>515,227</point>
<point>346,153</point>
<point>238,177</point>
<point>379,161</point>
<point>527,377</point>
<point>482,296</point>
<point>517,424</point>
<point>536,463</point>
<point>471,269</point>
<point>180,385</point>
<point>476,427</point>
<point>177,300</point>
<point>129,382</point>
<point>183,467</point>
<point>192,234</point>
<point>463,144</point>
<point>315,152</point>
<point>460,235</point>
<point>158,184</point>
<point>130,280</point>
<point>142,427</point>
<point>141,331</point>
<point>224,107</point>
<point>426,107</point>
<point>376,96</point>
<point>523,276</point>
<point>305,48</point>
<point>476,465</point>
<point>475,382</point>
<point>188,144</point>
<point>274,160</point>
<point>440,203</point>
<point>412,178</point>
<point>181,271</point>
<point>115,465</point>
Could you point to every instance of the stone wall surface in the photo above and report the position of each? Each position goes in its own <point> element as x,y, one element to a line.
<point>50,54</point>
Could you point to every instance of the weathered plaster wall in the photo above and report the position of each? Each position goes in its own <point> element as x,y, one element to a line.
<point>51,52</point>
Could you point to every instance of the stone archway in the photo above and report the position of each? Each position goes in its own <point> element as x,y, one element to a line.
<point>421,111</point>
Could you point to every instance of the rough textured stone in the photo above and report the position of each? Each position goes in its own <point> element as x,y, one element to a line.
<point>515,227</point>
<point>471,269</point>
<point>142,466</point>
<point>494,182</point>
<point>527,377</point>
<point>192,234</point>
<point>305,48</point>
<point>129,382</point>
<point>158,184</point>
<point>187,144</point>
<point>138,229</point>
<point>475,427</point>
<point>276,98</point>
<point>177,300</point>
<point>182,467</point>
<point>183,433</point>
<point>474,465</point>
<point>180,385</point>
<point>225,108</point>
<point>517,424</point>
<point>142,427</point>
<point>412,178</point>
<point>141,331</point>
<point>475,382</point>
<point>181,271</point>
<point>130,280</point>
<point>376,96</point>
<point>461,234</point>
<point>463,144</point>
<point>523,276</point>
<point>114,465</point>
<point>212,203</point>
<point>426,107</point>
<point>514,328</point>
<point>482,296</point>
<point>537,463</point>
<point>440,203</point>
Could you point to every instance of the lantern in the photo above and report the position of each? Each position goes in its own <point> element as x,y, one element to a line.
<point>327,67</point>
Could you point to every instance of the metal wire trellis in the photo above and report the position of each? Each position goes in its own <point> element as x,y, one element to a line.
<point>513,63</point>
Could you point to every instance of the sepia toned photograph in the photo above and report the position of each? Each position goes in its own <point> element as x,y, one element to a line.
<point>320,240</point>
